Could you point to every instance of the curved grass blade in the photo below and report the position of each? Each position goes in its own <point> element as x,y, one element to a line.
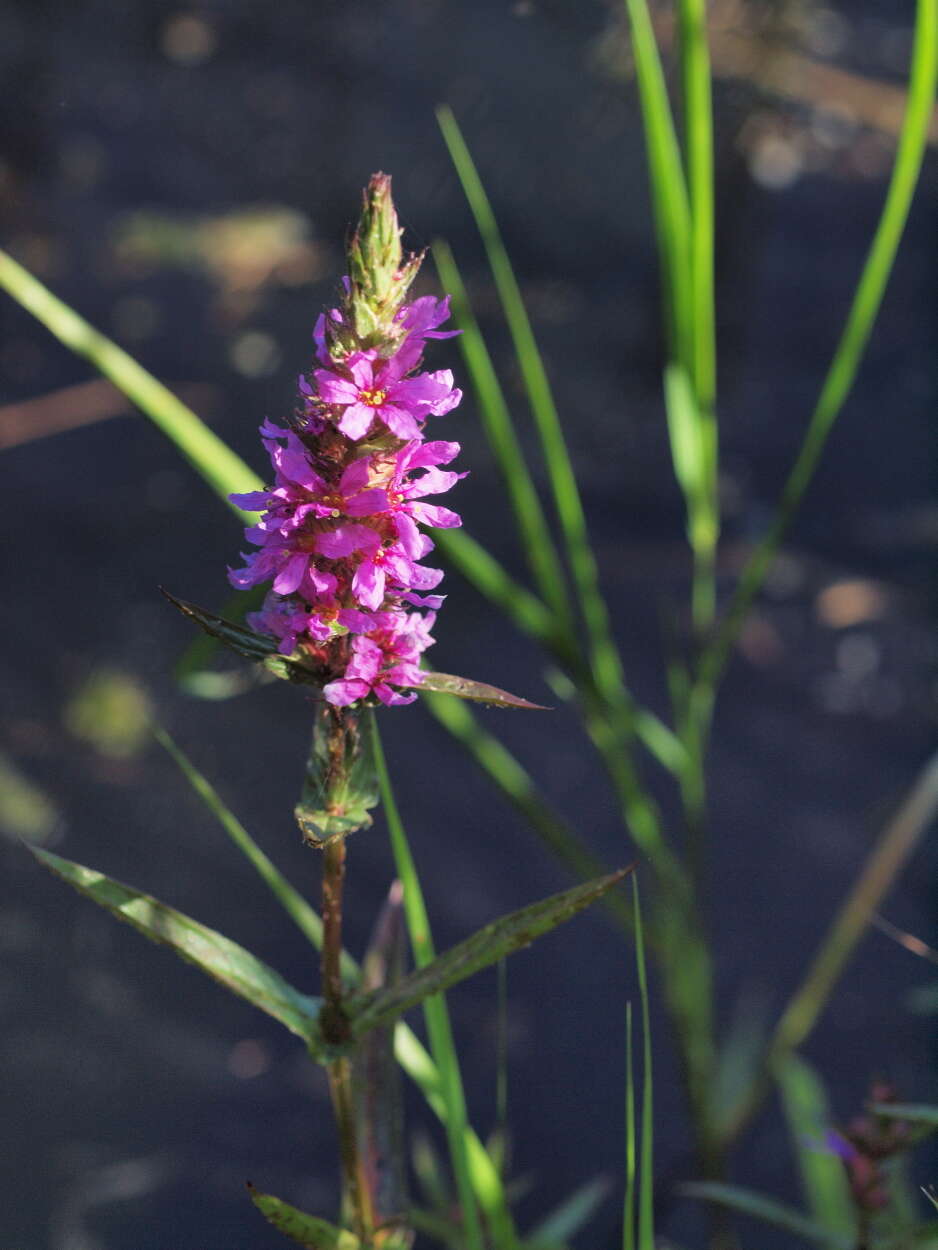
<point>573,1214</point>
<point>531,522</point>
<point>485,947</point>
<point>604,655</point>
<point>308,1230</point>
<point>747,1202</point>
<point>213,459</point>
<point>477,1180</point>
<point>293,903</point>
<point>867,299</point>
<point>225,961</point>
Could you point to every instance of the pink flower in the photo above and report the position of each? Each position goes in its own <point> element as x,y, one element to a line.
<point>377,388</point>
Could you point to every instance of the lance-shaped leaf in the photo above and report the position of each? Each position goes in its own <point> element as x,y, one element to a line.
<point>508,933</point>
<point>341,784</point>
<point>307,1230</point>
<point>761,1207</point>
<point>258,647</point>
<point>223,960</point>
<point>477,691</point>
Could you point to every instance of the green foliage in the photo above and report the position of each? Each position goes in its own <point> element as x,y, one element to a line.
<point>747,1202</point>
<point>823,1179</point>
<point>485,947</point>
<point>340,786</point>
<point>225,961</point>
<point>308,1230</point>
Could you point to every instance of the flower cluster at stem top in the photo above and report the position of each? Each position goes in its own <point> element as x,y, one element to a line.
<point>340,535</point>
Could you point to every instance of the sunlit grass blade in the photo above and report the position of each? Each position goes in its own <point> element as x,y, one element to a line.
<point>866,303</point>
<point>476,1186</point>
<point>669,197</point>
<point>224,471</point>
<point>533,529</point>
<point>566,494</point>
<point>823,1178</point>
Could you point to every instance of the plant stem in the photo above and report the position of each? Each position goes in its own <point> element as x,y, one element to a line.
<point>356,1195</point>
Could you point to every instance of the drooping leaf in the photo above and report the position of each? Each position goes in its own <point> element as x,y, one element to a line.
<point>308,1230</point>
<point>748,1202</point>
<point>478,691</point>
<point>341,784</point>
<point>245,642</point>
<point>225,961</point>
<point>508,933</point>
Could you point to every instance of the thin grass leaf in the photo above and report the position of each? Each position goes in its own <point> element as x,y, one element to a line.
<point>533,530</point>
<point>224,471</point>
<point>922,1118</point>
<point>842,373</point>
<point>747,1202</point>
<point>628,1201</point>
<point>477,1186</point>
<point>225,961</point>
<point>308,1230</point>
<point>669,199</point>
<point>604,657</point>
<point>485,947</point>
<point>573,1214</point>
<point>646,1210</point>
<point>293,903</point>
<point>823,1178</point>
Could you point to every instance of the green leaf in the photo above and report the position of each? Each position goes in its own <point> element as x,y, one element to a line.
<point>822,1173</point>
<point>477,691</point>
<point>258,647</point>
<point>566,1219</point>
<point>914,1112</point>
<point>341,784</point>
<point>747,1202</point>
<point>508,933</point>
<point>308,1230</point>
<point>223,960</point>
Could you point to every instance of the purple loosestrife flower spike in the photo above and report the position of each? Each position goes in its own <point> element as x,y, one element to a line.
<point>339,537</point>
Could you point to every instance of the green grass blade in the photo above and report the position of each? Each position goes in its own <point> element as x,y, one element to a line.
<point>476,1186</point>
<point>669,198</point>
<point>224,471</point>
<point>823,1178</point>
<point>292,902</point>
<point>646,1212</point>
<point>566,1220</point>
<point>628,1204</point>
<point>866,303</point>
<point>604,656</point>
<point>533,529</point>
<point>698,127</point>
<point>493,581</point>
<point>759,1207</point>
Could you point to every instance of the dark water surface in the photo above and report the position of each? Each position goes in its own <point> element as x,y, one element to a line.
<point>137,1098</point>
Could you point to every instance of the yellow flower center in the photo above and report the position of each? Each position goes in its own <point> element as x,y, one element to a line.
<point>374,399</point>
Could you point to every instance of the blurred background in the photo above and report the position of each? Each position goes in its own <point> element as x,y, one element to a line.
<point>185,177</point>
